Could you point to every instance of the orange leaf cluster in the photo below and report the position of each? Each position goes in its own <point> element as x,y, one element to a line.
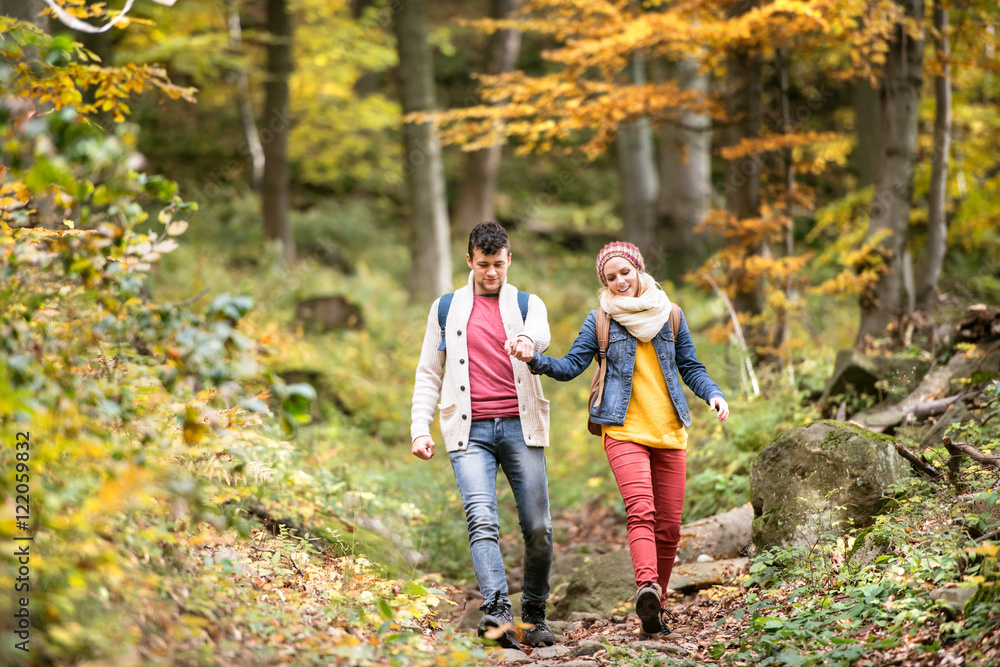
<point>588,95</point>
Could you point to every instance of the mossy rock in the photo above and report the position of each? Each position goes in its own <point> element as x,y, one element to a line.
<point>602,585</point>
<point>868,546</point>
<point>820,480</point>
<point>977,514</point>
<point>858,373</point>
<point>988,592</point>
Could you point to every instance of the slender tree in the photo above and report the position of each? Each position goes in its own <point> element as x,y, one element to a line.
<point>788,168</point>
<point>937,222</point>
<point>685,171</point>
<point>479,183</point>
<point>744,108</point>
<point>867,103</point>
<point>243,98</point>
<point>26,10</point>
<point>276,127</point>
<point>428,213</point>
<point>890,209</point>
<point>637,180</point>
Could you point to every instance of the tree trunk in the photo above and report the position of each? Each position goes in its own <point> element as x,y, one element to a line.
<point>788,166</point>
<point>479,184</point>
<point>937,223</point>
<point>369,81</point>
<point>867,104</point>
<point>274,135</point>
<point>725,535</point>
<point>685,177</point>
<point>26,10</point>
<point>637,180</point>
<point>428,214</point>
<point>253,143</point>
<point>743,176</point>
<point>890,209</point>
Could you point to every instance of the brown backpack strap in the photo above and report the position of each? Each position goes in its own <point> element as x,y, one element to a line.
<point>603,332</point>
<point>603,326</point>
<point>675,319</point>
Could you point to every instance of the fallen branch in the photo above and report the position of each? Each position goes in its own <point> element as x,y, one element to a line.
<point>918,463</point>
<point>965,449</point>
<point>988,536</point>
<point>932,408</point>
<point>737,330</point>
<point>274,525</point>
<point>191,299</point>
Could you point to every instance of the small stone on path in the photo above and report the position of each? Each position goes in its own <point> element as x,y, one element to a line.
<point>663,647</point>
<point>587,647</point>
<point>551,652</point>
<point>509,656</point>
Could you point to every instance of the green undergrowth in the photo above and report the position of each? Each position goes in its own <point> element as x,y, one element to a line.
<point>879,594</point>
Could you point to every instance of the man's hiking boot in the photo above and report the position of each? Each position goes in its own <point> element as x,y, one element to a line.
<point>497,625</point>
<point>539,634</point>
<point>647,608</point>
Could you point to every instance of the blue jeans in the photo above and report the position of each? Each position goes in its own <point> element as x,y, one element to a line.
<point>499,443</point>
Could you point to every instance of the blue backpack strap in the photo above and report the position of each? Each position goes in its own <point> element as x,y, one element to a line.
<point>444,305</point>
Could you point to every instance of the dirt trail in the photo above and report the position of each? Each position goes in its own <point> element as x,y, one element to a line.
<point>588,642</point>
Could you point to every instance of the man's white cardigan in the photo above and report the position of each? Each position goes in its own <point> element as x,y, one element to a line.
<point>444,375</point>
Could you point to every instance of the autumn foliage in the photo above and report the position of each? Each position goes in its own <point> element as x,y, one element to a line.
<point>151,425</point>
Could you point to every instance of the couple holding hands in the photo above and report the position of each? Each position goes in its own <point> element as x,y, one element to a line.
<point>479,363</point>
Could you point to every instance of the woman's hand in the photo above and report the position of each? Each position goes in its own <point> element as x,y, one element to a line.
<point>521,348</point>
<point>719,403</point>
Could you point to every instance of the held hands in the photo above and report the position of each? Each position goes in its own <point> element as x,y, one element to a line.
<point>719,403</point>
<point>521,348</point>
<point>423,447</point>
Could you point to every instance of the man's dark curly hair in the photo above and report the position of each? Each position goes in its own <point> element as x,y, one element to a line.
<point>489,237</point>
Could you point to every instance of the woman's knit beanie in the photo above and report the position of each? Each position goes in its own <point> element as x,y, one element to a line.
<point>619,249</point>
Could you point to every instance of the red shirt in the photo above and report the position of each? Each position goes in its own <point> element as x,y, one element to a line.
<point>491,376</point>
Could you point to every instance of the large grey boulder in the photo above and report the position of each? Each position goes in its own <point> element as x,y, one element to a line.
<point>603,585</point>
<point>600,585</point>
<point>725,535</point>
<point>858,373</point>
<point>820,478</point>
<point>690,577</point>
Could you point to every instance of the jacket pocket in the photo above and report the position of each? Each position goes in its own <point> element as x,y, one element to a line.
<point>617,342</point>
<point>538,437</point>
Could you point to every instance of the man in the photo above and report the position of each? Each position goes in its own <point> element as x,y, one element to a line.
<point>493,415</point>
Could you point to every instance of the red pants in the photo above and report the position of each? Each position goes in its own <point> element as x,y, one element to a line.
<point>651,482</point>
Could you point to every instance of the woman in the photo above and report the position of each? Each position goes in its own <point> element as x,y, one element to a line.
<point>642,413</point>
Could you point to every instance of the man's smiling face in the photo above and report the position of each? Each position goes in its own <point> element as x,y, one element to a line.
<point>489,271</point>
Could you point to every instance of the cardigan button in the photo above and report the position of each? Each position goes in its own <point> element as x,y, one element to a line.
<point>465,416</point>
<point>462,388</point>
<point>460,443</point>
<point>461,361</point>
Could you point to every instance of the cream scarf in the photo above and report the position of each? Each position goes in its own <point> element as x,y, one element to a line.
<point>642,315</point>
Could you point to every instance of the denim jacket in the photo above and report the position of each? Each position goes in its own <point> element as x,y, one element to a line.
<point>677,360</point>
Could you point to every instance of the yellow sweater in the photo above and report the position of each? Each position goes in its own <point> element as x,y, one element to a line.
<point>651,419</point>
